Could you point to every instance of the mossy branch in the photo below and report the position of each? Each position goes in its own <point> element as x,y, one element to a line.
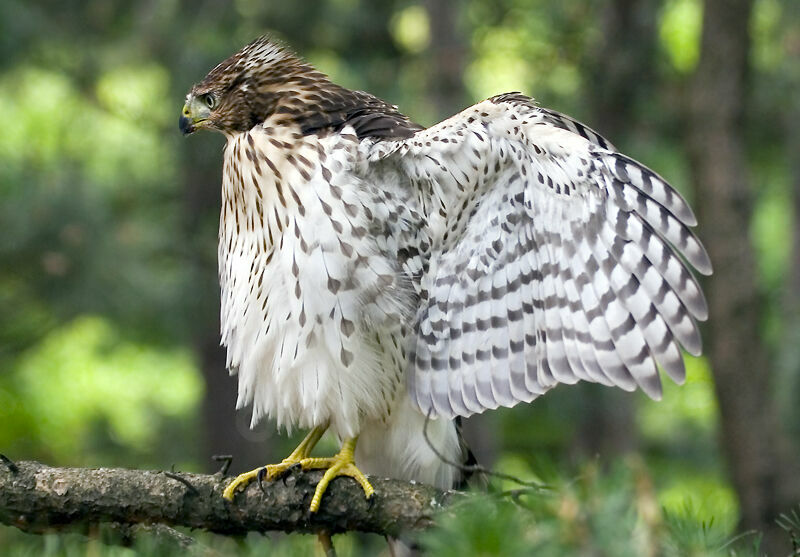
<point>37,498</point>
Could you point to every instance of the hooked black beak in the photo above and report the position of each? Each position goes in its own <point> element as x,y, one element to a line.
<point>185,125</point>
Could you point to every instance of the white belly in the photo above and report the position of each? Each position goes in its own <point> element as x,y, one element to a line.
<point>311,311</point>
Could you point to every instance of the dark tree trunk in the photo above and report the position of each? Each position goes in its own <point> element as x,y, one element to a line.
<point>607,424</point>
<point>621,75</point>
<point>448,55</point>
<point>621,70</point>
<point>792,131</point>
<point>793,286</point>
<point>224,430</point>
<point>789,384</point>
<point>742,372</point>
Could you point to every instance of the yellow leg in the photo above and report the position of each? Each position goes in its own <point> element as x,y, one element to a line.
<point>272,471</point>
<point>342,464</point>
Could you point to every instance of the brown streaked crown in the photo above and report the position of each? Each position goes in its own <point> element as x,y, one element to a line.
<point>265,79</point>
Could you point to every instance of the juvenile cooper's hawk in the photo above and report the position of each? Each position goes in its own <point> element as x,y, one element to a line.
<point>373,271</point>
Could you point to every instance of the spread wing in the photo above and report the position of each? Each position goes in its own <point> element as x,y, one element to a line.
<point>553,259</point>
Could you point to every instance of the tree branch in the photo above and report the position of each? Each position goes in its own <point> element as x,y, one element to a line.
<point>37,498</point>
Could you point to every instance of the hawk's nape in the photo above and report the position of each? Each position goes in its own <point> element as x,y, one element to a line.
<point>373,273</point>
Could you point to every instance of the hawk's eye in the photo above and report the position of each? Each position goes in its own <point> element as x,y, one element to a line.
<point>209,100</point>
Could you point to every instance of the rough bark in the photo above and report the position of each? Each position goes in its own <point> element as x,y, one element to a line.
<point>37,498</point>
<point>737,351</point>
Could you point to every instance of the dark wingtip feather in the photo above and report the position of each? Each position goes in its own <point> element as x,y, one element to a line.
<point>702,262</point>
<point>651,385</point>
<point>693,344</point>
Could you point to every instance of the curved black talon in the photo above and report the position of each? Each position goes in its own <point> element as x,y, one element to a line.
<point>262,473</point>
<point>12,467</point>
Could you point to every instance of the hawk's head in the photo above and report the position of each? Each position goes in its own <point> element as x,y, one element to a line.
<point>247,88</point>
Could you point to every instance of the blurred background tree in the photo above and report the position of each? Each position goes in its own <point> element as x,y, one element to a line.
<point>109,351</point>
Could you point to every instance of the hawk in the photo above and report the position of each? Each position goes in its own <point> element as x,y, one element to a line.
<point>375,273</point>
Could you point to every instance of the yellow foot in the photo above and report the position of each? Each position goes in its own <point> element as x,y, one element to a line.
<point>340,465</point>
<point>268,472</point>
<point>272,471</point>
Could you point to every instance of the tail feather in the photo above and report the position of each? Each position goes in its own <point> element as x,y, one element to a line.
<point>397,448</point>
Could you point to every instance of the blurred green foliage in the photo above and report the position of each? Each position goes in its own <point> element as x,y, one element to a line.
<point>85,391</point>
<point>616,512</point>
<point>679,32</point>
<point>102,247</point>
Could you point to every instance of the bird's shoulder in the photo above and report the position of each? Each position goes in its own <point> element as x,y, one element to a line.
<point>329,108</point>
<point>508,116</point>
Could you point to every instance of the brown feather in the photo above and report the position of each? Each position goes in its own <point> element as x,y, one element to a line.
<point>265,78</point>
